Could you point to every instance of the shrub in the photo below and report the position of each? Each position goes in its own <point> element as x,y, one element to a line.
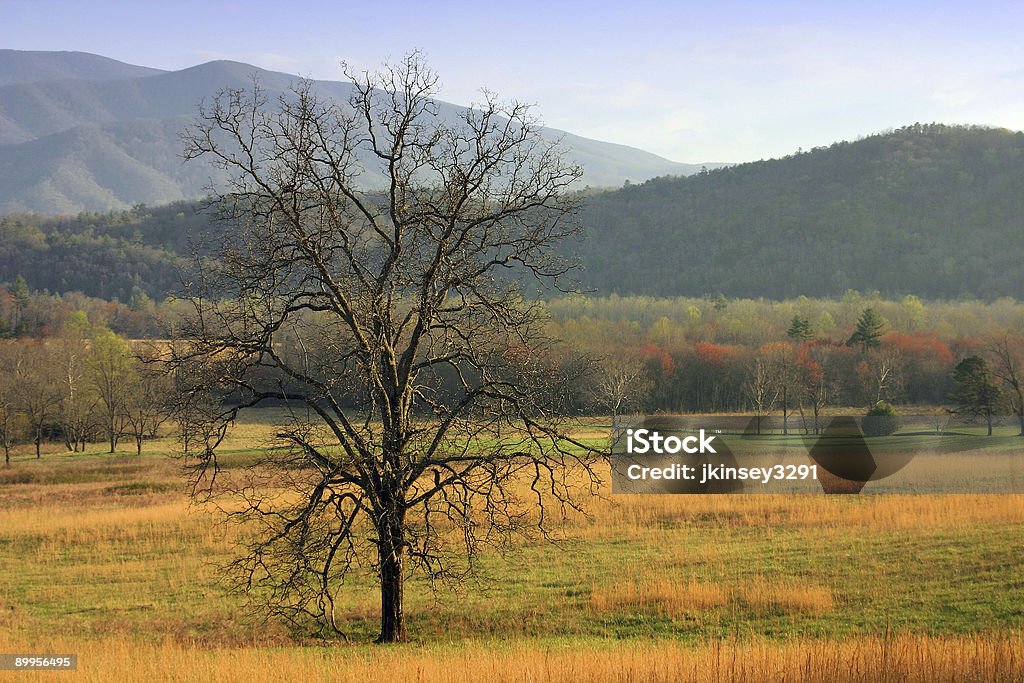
<point>881,420</point>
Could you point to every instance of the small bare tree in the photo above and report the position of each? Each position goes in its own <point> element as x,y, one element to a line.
<point>148,397</point>
<point>78,400</point>
<point>886,367</point>
<point>766,381</point>
<point>620,383</point>
<point>1008,367</point>
<point>8,398</point>
<point>37,391</point>
<point>423,420</point>
<point>818,386</point>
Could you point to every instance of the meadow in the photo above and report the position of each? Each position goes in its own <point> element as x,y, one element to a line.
<point>105,557</point>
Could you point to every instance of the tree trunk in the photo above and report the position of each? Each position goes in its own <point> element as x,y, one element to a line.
<point>391,553</point>
<point>1020,419</point>
<point>785,413</point>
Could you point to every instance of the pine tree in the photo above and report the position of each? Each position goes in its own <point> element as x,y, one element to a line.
<point>975,393</point>
<point>799,329</point>
<point>868,334</point>
<point>19,290</point>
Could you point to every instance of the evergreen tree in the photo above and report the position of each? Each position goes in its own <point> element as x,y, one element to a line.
<point>868,334</point>
<point>19,290</point>
<point>975,392</point>
<point>799,329</point>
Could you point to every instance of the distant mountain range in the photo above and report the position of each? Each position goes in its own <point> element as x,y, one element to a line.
<point>83,132</point>
<point>935,211</point>
<point>23,66</point>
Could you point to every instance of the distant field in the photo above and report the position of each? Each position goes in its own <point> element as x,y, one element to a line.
<point>103,556</point>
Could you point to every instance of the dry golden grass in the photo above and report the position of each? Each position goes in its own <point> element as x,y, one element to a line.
<point>880,513</point>
<point>677,599</point>
<point>908,658</point>
<point>787,598</point>
<point>661,596</point>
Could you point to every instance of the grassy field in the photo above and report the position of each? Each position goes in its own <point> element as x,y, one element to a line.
<point>104,557</point>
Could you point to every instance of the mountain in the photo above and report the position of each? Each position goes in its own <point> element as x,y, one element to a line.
<point>100,167</point>
<point>931,210</point>
<point>935,211</point>
<point>46,108</point>
<point>21,66</point>
<point>106,134</point>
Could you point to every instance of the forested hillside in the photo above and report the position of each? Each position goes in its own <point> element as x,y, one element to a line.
<point>935,211</point>
<point>106,255</point>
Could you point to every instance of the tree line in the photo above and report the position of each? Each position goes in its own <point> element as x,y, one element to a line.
<point>28,313</point>
<point>682,354</point>
<point>794,358</point>
<point>114,255</point>
<point>84,385</point>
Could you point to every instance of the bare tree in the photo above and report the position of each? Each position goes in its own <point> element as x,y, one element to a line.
<point>147,399</point>
<point>619,383</point>
<point>765,382</point>
<point>36,387</point>
<point>422,420</point>
<point>886,366</point>
<point>1008,367</point>
<point>77,399</point>
<point>8,398</point>
<point>817,384</point>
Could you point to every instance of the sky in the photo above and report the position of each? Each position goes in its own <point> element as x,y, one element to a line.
<point>693,82</point>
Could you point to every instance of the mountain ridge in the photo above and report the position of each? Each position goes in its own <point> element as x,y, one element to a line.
<point>111,112</point>
<point>30,66</point>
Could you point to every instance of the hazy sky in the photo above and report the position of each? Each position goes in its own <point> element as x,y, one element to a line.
<point>707,81</point>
